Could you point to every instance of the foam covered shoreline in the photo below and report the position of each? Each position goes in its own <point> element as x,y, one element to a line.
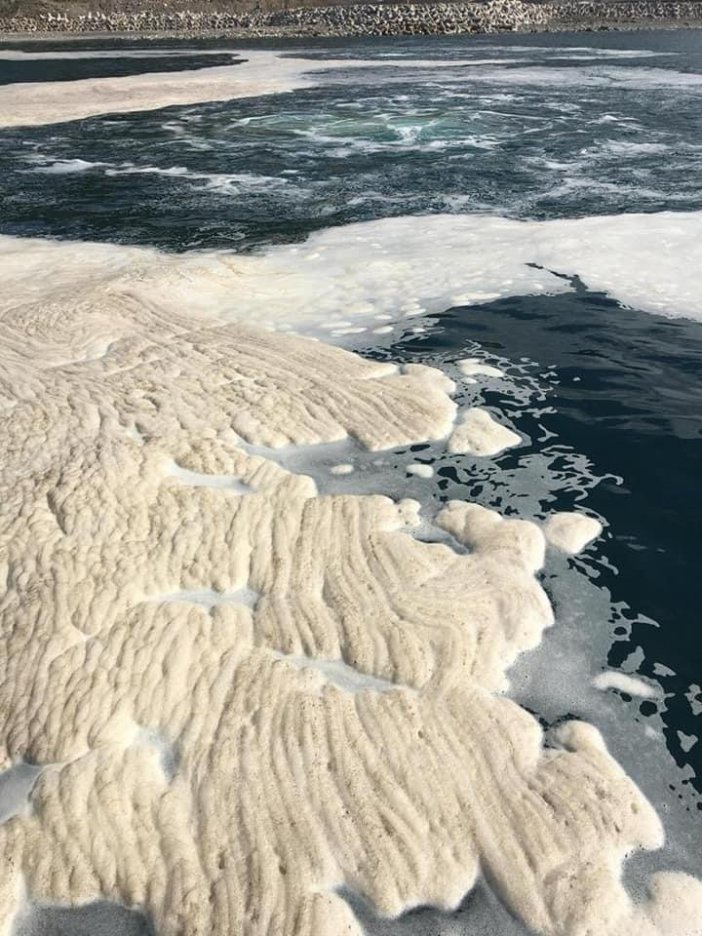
<point>329,717</point>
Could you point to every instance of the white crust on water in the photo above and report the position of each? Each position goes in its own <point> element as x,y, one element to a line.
<point>479,433</point>
<point>200,759</point>
<point>343,469</point>
<point>373,269</point>
<point>473,367</point>
<point>622,682</point>
<point>420,470</point>
<point>571,532</point>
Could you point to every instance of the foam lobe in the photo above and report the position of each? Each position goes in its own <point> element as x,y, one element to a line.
<point>473,367</point>
<point>623,682</point>
<point>571,532</point>
<point>479,433</point>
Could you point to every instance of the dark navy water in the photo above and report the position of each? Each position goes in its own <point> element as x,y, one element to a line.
<point>537,127</point>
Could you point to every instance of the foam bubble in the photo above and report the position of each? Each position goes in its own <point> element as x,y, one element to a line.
<point>420,470</point>
<point>623,682</point>
<point>342,469</point>
<point>472,367</point>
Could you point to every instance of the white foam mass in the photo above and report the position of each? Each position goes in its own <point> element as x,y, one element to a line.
<point>571,532</point>
<point>473,367</point>
<point>479,433</point>
<point>327,687</point>
<point>623,682</point>
<point>420,470</point>
<point>652,262</point>
<point>342,469</point>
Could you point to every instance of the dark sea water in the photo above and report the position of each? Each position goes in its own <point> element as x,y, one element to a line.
<point>547,127</point>
<point>537,127</point>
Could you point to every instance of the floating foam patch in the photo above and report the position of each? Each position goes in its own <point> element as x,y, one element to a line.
<point>571,532</point>
<point>623,682</point>
<point>345,277</point>
<point>479,433</point>
<point>420,470</point>
<point>472,367</point>
<point>343,469</point>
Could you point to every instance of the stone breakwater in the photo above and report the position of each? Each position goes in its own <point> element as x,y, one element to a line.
<point>372,19</point>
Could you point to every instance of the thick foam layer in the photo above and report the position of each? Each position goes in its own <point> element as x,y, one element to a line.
<point>346,732</point>
<point>399,267</point>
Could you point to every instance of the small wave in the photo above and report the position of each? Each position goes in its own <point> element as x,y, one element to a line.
<point>68,167</point>
<point>212,180</point>
<point>626,148</point>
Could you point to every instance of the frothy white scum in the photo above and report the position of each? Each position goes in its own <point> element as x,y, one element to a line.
<point>327,687</point>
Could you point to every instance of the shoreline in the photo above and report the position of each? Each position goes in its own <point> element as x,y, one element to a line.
<point>361,20</point>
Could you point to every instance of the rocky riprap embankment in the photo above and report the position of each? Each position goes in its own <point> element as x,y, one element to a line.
<point>372,19</point>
